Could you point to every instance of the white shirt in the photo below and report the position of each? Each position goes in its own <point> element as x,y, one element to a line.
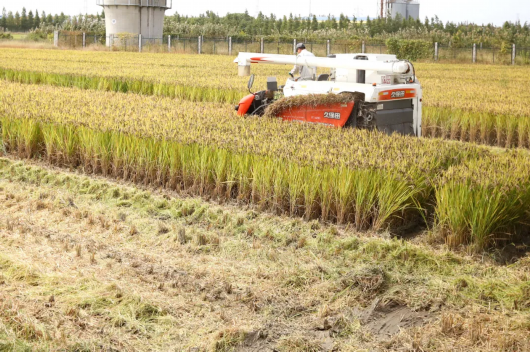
<point>306,72</point>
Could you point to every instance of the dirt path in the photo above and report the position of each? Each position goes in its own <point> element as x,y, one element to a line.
<point>91,264</point>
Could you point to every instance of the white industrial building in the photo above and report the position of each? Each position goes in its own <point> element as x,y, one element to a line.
<point>406,8</point>
<point>134,17</point>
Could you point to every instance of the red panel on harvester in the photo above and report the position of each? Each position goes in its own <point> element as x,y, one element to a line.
<point>335,114</point>
<point>244,104</point>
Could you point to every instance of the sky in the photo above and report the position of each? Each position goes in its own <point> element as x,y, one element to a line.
<point>477,11</point>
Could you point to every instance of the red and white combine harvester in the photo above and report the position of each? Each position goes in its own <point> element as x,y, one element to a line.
<point>385,93</point>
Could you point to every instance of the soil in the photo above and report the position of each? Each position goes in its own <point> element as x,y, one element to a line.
<point>383,320</point>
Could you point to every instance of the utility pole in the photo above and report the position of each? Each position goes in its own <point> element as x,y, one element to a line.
<point>382,8</point>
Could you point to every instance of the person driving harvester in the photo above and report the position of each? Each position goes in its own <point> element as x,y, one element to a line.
<point>306,72</point>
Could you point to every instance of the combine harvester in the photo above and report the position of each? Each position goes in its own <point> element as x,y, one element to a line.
<point>385,93</point>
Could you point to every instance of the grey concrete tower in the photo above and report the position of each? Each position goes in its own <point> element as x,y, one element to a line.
<point>145,17</point>
<point>406,8</point>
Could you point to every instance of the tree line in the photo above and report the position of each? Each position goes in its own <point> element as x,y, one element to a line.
<point>27,21</point>
<point>347,28</point>
<point>242,26</point>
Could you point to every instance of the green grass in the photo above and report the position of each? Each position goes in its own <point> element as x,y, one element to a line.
<point>19,36</point>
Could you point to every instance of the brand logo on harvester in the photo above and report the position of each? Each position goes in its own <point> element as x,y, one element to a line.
<point>332,115</point>
<point>398,94</point>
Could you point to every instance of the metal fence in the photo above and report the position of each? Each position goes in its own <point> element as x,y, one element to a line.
<point>82,40</point>
<point>112,42</point>
<point>456,54</point>
<point>483,55</point>
<point>228,46</point>
<point>477,54</point>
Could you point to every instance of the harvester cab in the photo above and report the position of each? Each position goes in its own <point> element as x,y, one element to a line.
<point>375,92</point>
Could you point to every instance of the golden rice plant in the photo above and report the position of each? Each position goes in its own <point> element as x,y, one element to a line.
<point>496,89</point>
<point>192,77</point>
<point>361,177</point>
<point>482,104</point>
<point>484,200</point>
<point>364,177</point>
<point>499,90</point>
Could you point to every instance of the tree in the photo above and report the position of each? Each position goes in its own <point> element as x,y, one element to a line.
<point>307,24</point>
<point>259,23</point>
<point>334,23</point>
<point>290,24</point>
<point>328,22</point>
<point>43,17</point>
<point>272,24</point>
<point>3,23</point>
<point>31,20</point>
<point>16,27</point>
<point>10,21</point>
<point>24,20</point>
<point>296,24</point>
<point>282,24</point>
<point>62,18</point>
<point>427,23</point>
<point>36,21</point>
<point>343,22</point>
<point>314,23</point>
<point>322,24</point>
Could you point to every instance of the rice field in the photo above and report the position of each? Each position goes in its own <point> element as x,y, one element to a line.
<point>483,103</point>
<point>367,179</point>
<point>474,103</point>
<point>139,212</point>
